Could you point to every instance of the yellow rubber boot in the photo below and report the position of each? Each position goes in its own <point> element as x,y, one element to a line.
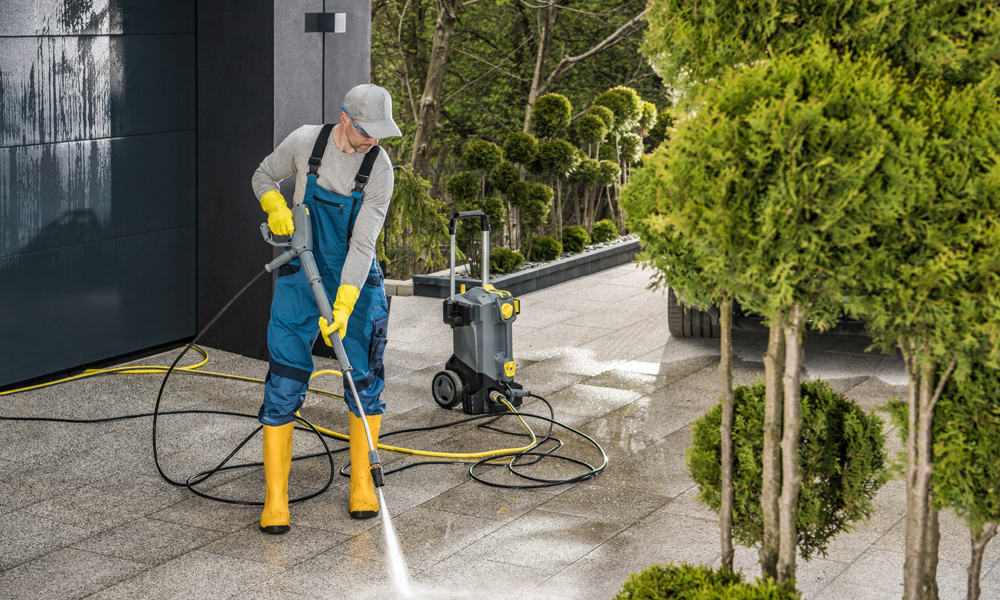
<point>364,503</point>
<point>275,518</point>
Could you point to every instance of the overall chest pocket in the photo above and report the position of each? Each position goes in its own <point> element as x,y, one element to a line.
<point>330,219</point>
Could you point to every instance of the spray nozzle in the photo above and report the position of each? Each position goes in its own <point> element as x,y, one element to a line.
<point>378,477</point>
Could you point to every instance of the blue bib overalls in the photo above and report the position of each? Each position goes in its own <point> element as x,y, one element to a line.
<point>294,325</point>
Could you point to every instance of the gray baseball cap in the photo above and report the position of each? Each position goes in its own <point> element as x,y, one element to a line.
<point>370,106</point>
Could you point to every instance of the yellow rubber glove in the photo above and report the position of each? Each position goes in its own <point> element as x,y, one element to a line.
<point>279,216</point>
<point>347,295</point>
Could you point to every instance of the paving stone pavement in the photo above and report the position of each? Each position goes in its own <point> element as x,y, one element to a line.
<point>84,514</point>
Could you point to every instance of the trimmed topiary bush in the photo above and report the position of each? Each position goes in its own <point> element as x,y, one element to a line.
<point>481,155</point>
<point>503,175</point>
<point>604,231</point>
<point>546,248</point>
<point>550,115</point>
<point>463,187</point>
<point>698,582</point>
<point>504,261</point>
<point>520,148</point>
<point>574,238</point>
<point>841,452</point>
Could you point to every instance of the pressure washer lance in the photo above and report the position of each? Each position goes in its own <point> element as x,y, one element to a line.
<point>300,246</point>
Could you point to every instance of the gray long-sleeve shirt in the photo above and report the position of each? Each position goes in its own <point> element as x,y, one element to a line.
<point>336,174</point>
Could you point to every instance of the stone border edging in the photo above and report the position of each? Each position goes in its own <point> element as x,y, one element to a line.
<point>534,278</point>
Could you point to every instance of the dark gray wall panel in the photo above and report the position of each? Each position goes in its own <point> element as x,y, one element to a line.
<point>75,305</point>
<point>59,89</point>
<point>95,17</point>
<point>298,68</point>
<point>235,132</point>
<point>54,89</point>
<point>152,84</point>
<point>54,195</point>
<point>348,54</point>
<point>63,194</point>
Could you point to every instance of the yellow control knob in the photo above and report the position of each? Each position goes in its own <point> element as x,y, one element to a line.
<point>507,310</point>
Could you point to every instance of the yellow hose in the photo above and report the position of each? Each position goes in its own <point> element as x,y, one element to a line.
<point>475,455</point>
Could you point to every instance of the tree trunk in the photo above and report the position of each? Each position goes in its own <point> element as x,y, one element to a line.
<point>979,543</point>
<point>429,107</point>
<point>576,205</point>
<point>918,484</point>
<point>557,214</point>
<point>791,473</point>
<point>546,19</point>
<point>932,539</point>
<point>726,429</point>
<point>774,361</point>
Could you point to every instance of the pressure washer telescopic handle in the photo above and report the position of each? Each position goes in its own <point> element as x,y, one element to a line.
<point>484,224</point>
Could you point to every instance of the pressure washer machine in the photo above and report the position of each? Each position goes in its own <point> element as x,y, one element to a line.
<point>481,369</point>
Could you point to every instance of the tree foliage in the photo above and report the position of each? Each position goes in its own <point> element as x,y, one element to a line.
<point>550,116</point>
<point>492,59</point>
<point>415,220</point>
<point>841,451</point>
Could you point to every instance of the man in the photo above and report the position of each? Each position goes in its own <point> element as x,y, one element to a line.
<point>347,207</point>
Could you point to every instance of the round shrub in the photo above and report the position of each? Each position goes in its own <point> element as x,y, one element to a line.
<point>503,175</point>
<point>604,113</point>
<point>647,116</point>
<point>520,148</point>
<point>557,157</point>
<point>574,238</point>
<point>590,129</point>
<point>481,155</point>
<point>698,582</point>
<point>550,115</point>
<point>586,172</point>
<point>657,582</point>
<point>516,194</point>
<point>535,209</point>
<point>604,231</point>
<point>841,453</point>
<point>624,103</point>
<point>608,173</point>
<point>504,261</point>
<point>631,148</point>
<point>546,248</point>
<point>463,187</point>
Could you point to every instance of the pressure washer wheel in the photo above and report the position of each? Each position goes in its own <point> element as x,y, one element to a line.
<point>447,389</point>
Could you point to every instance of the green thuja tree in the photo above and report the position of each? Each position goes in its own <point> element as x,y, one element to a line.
<point>415,221</point>
<point>934,293</point>
<point>804,151</point>
<point>950,44</point>
<point>693,234</point>
<point>590,132</point>
<point>550,116</point>
<point>967,460</point>
<point>841,449</point>
<point>966,457</point>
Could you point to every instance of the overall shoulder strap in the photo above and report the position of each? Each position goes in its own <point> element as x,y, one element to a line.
<point>361,179</point>
<point>319,148</point>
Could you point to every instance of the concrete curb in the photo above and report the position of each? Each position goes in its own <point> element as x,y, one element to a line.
<point>535,278</point>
